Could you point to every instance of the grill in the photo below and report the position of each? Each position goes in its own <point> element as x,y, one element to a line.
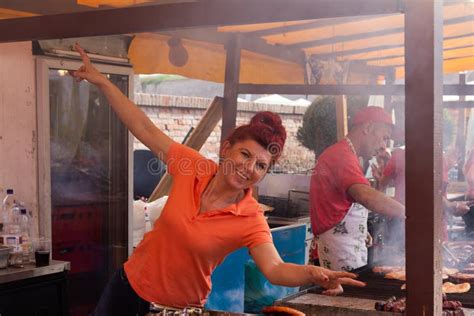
<point>295,205</point>
<point>158,310</point>
<point>380,289</point>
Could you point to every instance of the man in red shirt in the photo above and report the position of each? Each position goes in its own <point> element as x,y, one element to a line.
<point>340,195</point>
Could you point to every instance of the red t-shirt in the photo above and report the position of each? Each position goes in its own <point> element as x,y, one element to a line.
<point>173,264</point>
<point>336,170</point>
<point>395,170</point>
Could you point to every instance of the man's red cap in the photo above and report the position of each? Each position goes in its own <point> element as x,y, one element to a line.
<point>377,114</point>
<point>372,114</point>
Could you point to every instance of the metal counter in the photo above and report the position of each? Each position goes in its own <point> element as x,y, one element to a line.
<point>288,220</point>
<point>11,274</point>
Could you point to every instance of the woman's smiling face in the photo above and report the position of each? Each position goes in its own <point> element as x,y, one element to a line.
<point>245,163</point>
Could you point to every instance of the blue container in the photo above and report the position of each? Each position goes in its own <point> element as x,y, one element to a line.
<point>228,283</point>
<point>259,292</point>
<point>238,285</point>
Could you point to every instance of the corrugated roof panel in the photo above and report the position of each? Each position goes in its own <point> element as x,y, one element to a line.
<point>339,29</point>
<point>457,42</point>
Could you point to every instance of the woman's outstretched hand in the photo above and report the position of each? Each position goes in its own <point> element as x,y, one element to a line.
<point>332,281</point>
<point>87,71</point>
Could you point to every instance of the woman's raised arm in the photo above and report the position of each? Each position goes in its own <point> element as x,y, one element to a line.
<point>130,115</point>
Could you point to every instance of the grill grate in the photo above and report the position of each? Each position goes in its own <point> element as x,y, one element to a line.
<point>380,289</point>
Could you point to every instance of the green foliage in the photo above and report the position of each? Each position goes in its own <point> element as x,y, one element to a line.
<point>157,79</point>
<point>319,130</point>
<point>319,125</point>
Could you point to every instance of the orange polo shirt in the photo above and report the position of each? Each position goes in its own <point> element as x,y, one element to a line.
<point>173,264</point>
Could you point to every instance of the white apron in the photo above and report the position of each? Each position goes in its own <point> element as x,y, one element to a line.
<point>343,247</point>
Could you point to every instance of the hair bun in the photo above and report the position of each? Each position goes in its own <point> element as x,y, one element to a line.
<point>272,120</point>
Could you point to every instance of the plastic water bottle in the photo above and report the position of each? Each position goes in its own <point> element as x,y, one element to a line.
<point>25,231</point>
<point>13,234</point>
<point>5,216</point>
<point>15,219</point>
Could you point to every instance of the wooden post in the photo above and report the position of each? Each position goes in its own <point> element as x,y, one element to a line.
<point>341,112</point>
<point>198,137</point>
<point>387,98</point>
<point>461,130</point>
<point>423,95</point>
<point>231,86</point>
<point>341,116</point>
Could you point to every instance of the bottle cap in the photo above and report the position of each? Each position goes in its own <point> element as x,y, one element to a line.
<point>23,211</point>
<point>9,191</point>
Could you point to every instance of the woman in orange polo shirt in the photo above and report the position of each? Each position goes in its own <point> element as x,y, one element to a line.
<point>210,213</point>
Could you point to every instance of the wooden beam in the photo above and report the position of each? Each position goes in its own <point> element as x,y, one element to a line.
<point>458,104</point>
<point>366,60</point>
<point>461,130</point>
<point>248,42</point>
<point>423,121</point>
<point>310,25</point>
<point>346,38</point>
<point>231,86</point>
<point>376,48</point>
<point>170,16</point>
<point>387,98</point>
<point>447,104</point>
<point>348,89</point>
<point>44,6</point>
<point>341,116</point>
<point>365,35</point>
<point>356,51</point>
<point>196,140</point>
<point>307,89</point>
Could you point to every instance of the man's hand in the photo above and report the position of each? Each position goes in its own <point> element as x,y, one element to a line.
<point>382,157</point>
<point>460,208</point>
<point>369,241</point>
<point>377,172</point>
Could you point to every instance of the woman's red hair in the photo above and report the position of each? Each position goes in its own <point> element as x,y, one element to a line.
<point>266,129</point>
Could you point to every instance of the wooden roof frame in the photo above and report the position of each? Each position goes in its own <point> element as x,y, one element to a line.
<point>423,91</point>
<point>204,13</point>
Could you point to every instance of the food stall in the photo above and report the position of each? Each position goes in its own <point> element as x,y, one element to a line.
<point>306,30</point>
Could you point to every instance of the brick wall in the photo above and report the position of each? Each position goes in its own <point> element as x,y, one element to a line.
<point>176,114</point>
